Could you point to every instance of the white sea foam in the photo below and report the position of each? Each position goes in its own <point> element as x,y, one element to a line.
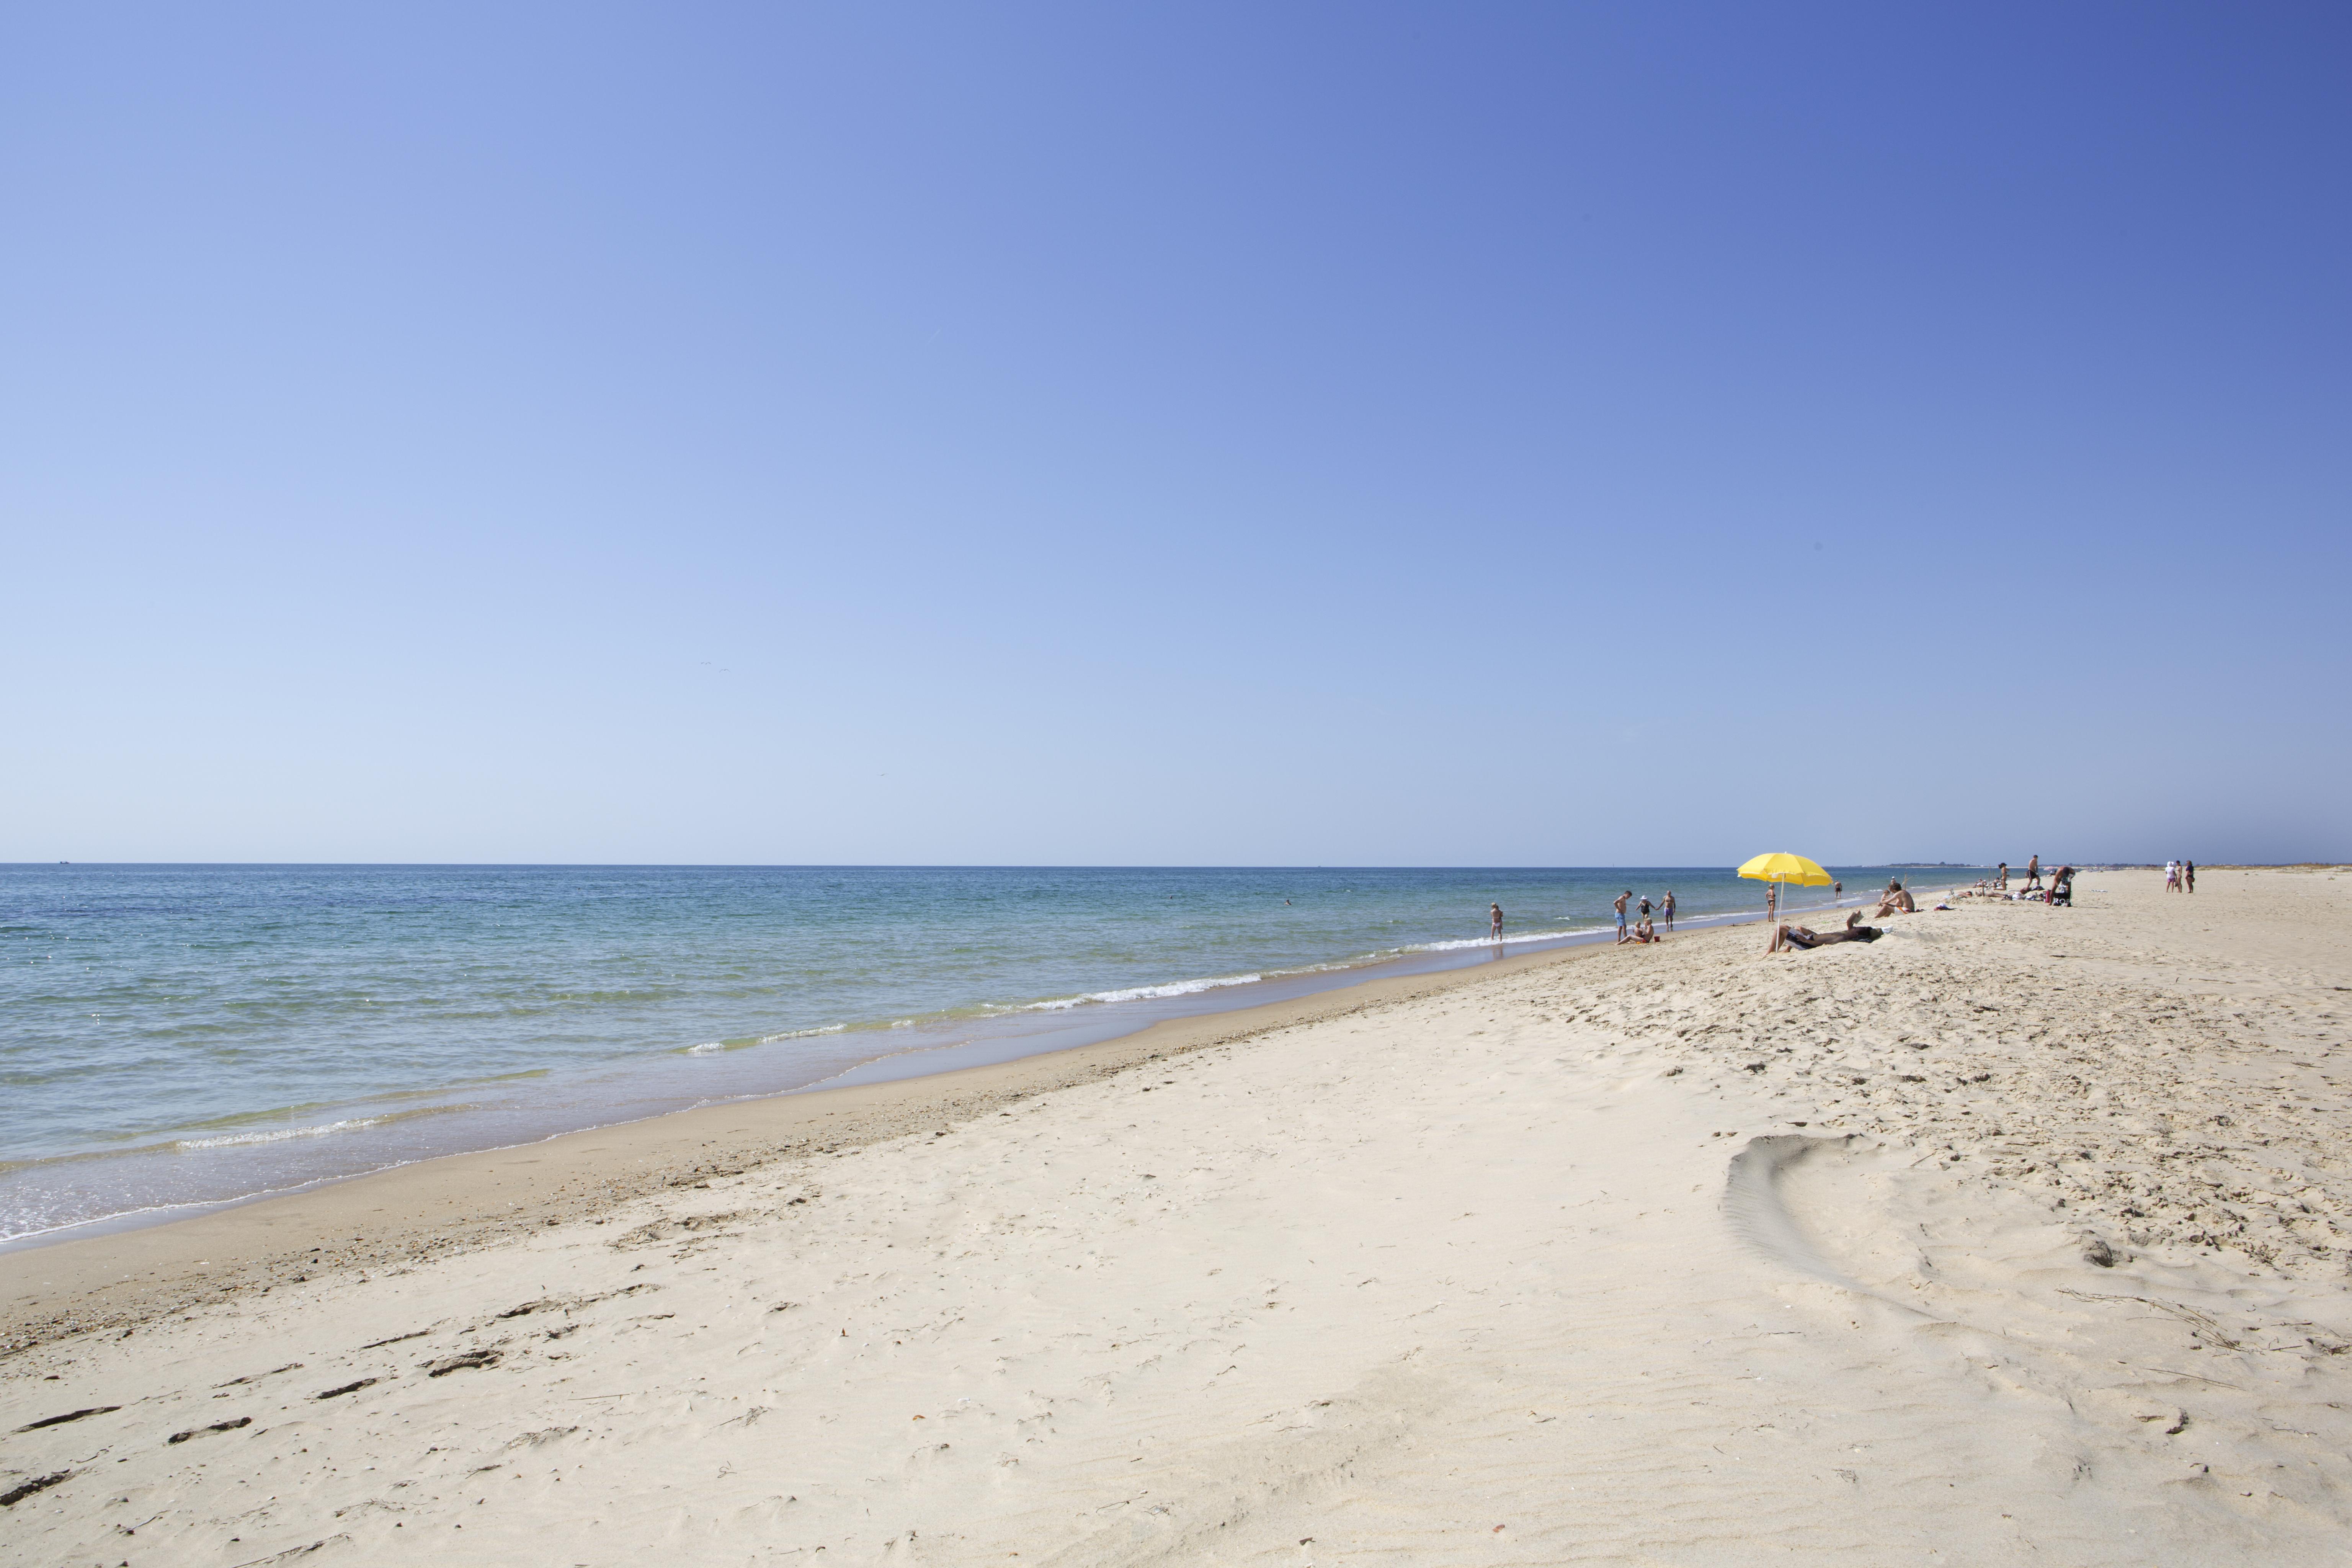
<point>1190,987</point>
<point>280,1134</point>
<point>1143,993</point>
<point>802,1033</point>
<point>713,1047</point>
<point>1489,941</point>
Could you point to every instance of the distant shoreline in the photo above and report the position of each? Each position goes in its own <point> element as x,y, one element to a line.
<point>167,1176</point>
<point>1117,1025</point>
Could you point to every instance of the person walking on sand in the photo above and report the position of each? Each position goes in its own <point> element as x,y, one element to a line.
<point>1494,921</point>
<point>1622,899</point>
<point>2033,874</point>
<point>1667,908</point>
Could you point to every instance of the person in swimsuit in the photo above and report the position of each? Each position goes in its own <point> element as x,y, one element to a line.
<point>1642,908</point>
<point>2033,873</point>
<point>1494,921</point>
<point>1644,931</point>
<point>1621,900</point>
<point>1667,908</point>
<point>2001,878</point>
<point>2188,876</point>
<point>1795,936</point>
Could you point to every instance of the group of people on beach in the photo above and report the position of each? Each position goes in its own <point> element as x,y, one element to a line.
<point>2061,889</point>
<point>1638,921</point>
<point>1643,929</point>
<point>2033,875</point>
<point>2179,876</point>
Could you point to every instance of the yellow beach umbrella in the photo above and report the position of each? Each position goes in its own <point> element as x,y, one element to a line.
<point>1784,868</point>
<point>1781,868</point>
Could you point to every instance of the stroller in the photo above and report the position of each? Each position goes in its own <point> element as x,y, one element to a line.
<point>2061,888</point>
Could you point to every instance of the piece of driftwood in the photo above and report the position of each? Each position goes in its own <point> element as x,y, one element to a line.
<point>15,1495</point>
<point>460,1363</point>
<point>215,1427</point>
<point>68,1416</point>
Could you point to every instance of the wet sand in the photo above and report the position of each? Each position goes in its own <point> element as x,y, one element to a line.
<point>2020,1232</point>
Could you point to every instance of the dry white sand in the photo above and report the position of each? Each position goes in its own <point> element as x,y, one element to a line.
<point>1675,1256</point>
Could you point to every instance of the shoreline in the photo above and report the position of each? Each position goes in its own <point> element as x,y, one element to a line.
<point>993,1041</point>
<point>122,1276</point>
<point>2017,1232</point>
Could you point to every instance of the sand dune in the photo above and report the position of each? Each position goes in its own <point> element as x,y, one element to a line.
<point>2019,1234</point>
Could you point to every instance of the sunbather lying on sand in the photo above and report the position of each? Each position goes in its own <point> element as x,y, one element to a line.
<point>1802,936</point>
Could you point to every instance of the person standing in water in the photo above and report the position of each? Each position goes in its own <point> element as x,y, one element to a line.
<point>1494,921</point>
<point>1667,908</point>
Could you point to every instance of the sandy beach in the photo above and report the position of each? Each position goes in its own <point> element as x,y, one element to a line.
<point>2022,1234</point>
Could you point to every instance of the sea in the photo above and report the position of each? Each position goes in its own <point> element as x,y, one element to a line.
<point>179,1037</point>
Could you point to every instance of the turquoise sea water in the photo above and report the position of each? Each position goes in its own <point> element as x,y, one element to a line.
<point>176,1036</point>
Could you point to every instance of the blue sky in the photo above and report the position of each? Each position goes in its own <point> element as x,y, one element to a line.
<point>1343,434</point>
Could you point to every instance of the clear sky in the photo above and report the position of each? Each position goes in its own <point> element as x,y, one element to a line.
<point>1284,434</point>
